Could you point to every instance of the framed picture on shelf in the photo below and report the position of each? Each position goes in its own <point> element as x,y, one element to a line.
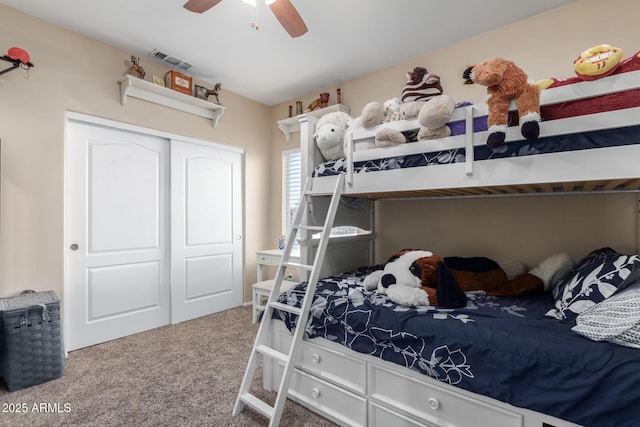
<point>158,80</point>
<point>201,92</point>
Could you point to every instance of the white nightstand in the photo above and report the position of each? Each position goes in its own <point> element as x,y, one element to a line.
<point>261,291</point>
<point>262,288</point>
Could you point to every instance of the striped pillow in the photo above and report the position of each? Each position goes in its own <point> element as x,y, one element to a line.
<point>616,319</point>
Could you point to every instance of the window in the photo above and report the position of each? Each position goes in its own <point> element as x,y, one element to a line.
<point>291,188</point>
<point>291,192</point>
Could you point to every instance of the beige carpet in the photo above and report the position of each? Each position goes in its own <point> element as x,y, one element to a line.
<point>180,375</point>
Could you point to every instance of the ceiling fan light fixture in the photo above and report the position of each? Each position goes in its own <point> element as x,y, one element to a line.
<point>284,11</point>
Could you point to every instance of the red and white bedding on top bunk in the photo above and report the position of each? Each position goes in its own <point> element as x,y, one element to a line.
<point>577,117</point>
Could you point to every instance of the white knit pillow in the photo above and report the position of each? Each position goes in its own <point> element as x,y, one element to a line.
<point>616,319</point>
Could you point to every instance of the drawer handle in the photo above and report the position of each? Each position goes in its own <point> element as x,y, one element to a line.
<point>433,403</point>
<point>315,392</point>
<point>315,357</point>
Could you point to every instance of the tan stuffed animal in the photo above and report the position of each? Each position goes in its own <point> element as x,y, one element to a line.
<point>422,98</point>
<point>506,81</point>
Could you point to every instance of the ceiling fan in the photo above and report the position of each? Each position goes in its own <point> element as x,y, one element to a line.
<point>284,11</point>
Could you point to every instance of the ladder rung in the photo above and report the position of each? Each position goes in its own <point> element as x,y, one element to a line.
<point>313,193</point>
<point>288,308</point>
<point>274,354</point>
<point>311,227</point>
<point>258,404</point>
<point>298,266</point>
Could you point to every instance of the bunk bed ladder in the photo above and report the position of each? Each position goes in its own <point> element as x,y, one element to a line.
<point>262,344</point>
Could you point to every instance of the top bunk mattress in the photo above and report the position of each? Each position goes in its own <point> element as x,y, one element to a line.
<point>552,144</point>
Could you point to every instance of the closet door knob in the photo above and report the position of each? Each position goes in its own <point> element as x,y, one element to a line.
<point>74,247</point>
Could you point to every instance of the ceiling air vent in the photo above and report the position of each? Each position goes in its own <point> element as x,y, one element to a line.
<point>171,61</point>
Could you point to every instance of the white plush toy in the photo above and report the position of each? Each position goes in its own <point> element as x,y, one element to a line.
<point>391,110</point>
<point>397,281</point>
<point>330,132</point>
<point>364,144</point>
<point>552,269</point>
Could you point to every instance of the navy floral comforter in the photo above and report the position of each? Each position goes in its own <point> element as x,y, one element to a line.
<point>505,348</point>
<point>552,144</point>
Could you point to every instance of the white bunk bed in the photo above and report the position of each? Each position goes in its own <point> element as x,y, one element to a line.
<point>352,388</point>
<point>582,170</point>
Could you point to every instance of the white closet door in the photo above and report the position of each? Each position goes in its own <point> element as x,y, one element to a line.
<point>206,230</point>
<point>117,234</point>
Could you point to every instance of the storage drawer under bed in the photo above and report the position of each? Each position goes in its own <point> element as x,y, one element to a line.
<point>434,404</point>
<point>337,404</point>
<point>333,366</point>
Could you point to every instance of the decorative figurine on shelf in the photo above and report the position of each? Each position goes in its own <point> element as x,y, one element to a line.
<point>215,92</point>
<point>338,96</point>
<point>321,102</point>
<point>204,93</point>
<point>135,69</point>
<point>324,100</point>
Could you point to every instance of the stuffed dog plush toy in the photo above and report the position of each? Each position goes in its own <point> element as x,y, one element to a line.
<point>415,277</point>
<point>506,81</point>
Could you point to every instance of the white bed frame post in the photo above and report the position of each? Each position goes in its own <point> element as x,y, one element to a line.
<point>468,138</point>
<point>638,223</point>
<point>308,148</point>
<point>308,151</point>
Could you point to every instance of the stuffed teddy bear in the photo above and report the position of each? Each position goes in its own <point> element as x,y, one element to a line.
<point>391,110</point>
<point>506,81</point>
<point>330,132</point>
<point>414,277</point>
<point>422,98</point>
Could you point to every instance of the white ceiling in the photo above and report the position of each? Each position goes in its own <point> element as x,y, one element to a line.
<point>346,38</point>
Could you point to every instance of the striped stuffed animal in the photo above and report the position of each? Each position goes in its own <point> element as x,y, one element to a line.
<point>421,98</point>
<point>421,86</point>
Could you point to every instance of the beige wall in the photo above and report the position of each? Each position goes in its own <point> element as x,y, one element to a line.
<point>526,228</point>
<point>76,73</point>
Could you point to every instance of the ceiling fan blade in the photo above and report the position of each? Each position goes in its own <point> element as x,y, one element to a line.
<point>199,6</point>
<point>289,17</point>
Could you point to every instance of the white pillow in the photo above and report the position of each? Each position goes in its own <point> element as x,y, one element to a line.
<point>552,269</point>
<point>616,319</point>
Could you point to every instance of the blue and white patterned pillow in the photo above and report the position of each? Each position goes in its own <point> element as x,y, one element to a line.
<point>617,319</point>
<point>595,278</point>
